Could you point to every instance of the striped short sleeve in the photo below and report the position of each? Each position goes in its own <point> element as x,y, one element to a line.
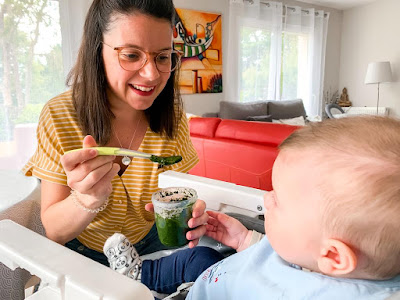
<point>57,132</point>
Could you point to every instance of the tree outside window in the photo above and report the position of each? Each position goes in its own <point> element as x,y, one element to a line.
<point>254,69</point>
<point>31,72</point>
<point>254,56</point>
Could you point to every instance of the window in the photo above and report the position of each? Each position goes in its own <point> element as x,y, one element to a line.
<point>294,66</point>
<point>254,56</point>
<point>254,69</point>
<point>277,52</point>
<point>31,73</point>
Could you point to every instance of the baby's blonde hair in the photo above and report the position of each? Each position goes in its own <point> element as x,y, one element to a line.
<point>360,161</point>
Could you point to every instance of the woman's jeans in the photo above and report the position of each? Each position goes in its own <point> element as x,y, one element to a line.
<point>163,275</point>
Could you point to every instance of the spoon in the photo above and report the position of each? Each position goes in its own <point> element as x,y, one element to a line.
<point>161,160</point>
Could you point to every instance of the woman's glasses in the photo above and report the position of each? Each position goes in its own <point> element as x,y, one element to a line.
<point>133,59</point>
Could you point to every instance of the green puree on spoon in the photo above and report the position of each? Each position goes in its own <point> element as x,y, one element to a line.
<point>161,160</point>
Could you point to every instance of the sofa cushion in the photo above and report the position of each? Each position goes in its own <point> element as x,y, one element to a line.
<point>240,111</point>
<point>254,132</point>
<point>239,162</point>
<point>286,109</point>
<point>210,115</point>
<point>204,127</point>
<point>265,118</point>
<point>293,121</point>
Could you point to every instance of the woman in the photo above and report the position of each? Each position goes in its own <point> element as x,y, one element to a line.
<point>123,95</point>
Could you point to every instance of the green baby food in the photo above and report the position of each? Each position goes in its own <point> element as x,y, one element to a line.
<point>166,160</point>
<point>173,228</point>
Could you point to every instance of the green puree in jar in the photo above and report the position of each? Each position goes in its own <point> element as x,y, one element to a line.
<point>172,231</point>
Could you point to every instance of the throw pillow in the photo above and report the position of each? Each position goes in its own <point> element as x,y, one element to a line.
<point>286,109</point>
<point>266,118</point>
<point>240,111</point>
<point>189,116</point>
<point>293,121</point>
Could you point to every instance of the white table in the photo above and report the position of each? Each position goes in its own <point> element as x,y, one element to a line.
<point>14,187</point>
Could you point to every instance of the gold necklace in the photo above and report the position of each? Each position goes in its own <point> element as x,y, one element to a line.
<point>126,160</point>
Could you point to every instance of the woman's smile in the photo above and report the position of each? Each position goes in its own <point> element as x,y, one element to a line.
<point>142,90</point>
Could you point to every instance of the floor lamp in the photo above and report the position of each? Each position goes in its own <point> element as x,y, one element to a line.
<point>378,72</point>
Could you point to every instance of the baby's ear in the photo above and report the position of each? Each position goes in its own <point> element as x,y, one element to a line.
<point>336,258</point>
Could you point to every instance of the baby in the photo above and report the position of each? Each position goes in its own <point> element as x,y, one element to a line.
<point>331,221</point>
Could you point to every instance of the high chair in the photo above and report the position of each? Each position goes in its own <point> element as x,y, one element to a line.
<point>65,274</point>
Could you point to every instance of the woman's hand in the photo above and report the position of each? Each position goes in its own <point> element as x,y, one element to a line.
<point>228,231</point>
<point>198,221</point>
<point>89,174</point>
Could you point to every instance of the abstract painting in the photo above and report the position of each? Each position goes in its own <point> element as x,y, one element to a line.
<point>198,36</point>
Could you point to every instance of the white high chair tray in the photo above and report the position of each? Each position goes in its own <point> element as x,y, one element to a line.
<point>68,275</point>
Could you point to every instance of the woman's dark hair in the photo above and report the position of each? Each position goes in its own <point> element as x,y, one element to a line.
<point>89,81</point>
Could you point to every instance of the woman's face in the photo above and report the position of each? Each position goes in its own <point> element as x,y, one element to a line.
<point>135,89</point>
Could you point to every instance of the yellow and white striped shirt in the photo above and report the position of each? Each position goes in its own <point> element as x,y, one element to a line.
<point>58,132</point>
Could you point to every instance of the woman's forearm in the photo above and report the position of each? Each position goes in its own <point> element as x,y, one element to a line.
<point>64,220</point>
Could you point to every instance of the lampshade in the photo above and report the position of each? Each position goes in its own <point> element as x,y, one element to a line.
<point>378,72</point>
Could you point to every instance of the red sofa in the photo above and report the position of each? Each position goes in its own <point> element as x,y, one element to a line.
<point>236,151</point>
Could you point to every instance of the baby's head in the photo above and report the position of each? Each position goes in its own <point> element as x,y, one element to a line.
<point>335,207</point>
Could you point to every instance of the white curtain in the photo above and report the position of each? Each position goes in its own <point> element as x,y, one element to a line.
<point>72,19</point>
<point>314,23</point>
<point>278,19</point>
<point>265,15</point>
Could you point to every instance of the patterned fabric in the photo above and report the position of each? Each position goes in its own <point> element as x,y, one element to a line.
<point>58,132</point>
<point>122,256</point>
<point>27,214</point>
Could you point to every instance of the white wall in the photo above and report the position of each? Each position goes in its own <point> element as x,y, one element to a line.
<point>371,33</point>
<point>201,103</point>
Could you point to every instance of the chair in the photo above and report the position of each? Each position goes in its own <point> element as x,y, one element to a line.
<point>56,264</point>
<point>333,109</point>
<point>24,251</point>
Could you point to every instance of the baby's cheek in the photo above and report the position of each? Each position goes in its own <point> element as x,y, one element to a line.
<point>269,201</point>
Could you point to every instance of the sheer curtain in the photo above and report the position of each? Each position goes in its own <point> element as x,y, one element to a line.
<point>72,19</point>
<point>255,15</point>
<point>313,24</point>
<point>276,52</point>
